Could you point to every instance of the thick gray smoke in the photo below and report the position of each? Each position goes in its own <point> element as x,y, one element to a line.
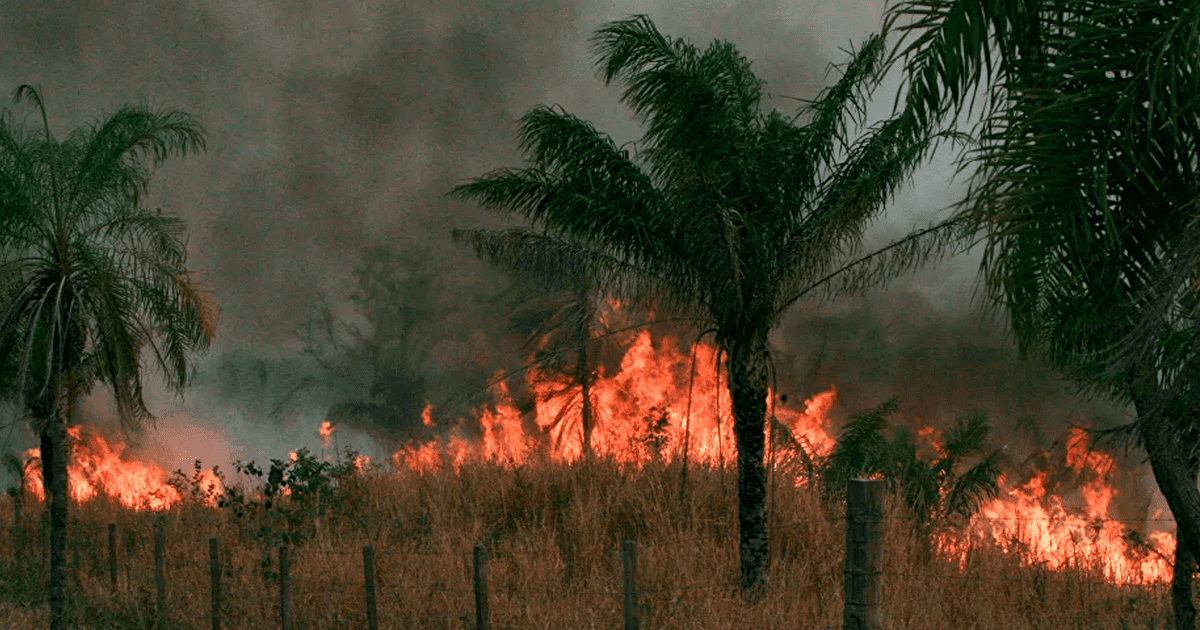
<point>335,130</point>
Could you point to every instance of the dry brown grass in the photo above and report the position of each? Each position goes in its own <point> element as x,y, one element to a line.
<point>553,533</point>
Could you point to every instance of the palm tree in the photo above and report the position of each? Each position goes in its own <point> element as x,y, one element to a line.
<point>90,280</point>
<point>723,213</point>
<point>1084,193</point>
<point>564,304</point>
<point>934,490</point>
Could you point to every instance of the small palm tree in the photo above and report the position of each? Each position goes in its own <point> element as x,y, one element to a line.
<point>725,213</point>
<point>565,305</point>
<point>937,490</point>
<point>91,280</point>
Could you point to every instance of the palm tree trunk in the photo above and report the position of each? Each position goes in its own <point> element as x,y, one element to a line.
<point>748,390</point>
<point>1173,474</point>
<point>1181,580</point>
<point>1181,588</point>
<point>584,335</point>
<point>585,384</point>
<point>54,478</point>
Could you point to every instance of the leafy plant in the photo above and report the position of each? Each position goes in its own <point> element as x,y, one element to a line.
<point>936,490</point>
<point>289,496</point>
<point>198,489</point>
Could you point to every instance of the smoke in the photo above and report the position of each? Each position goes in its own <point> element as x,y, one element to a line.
<point>334,132</point>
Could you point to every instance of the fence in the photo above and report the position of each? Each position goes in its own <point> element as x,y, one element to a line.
<point>862,572</point>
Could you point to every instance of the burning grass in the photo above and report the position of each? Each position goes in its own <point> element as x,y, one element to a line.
<point>553,533</point>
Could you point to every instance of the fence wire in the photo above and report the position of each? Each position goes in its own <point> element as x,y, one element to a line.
<point>90,556</point>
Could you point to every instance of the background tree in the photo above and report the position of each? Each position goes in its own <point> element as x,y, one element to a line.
<point>382,362</point>
<point>91,280</point>
<point>725,213</point>
<point>1083,193</point>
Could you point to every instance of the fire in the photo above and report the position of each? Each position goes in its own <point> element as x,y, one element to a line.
<point>1029,522</point>
<point>648,400</point>
<point>642,411</point>
<point>326,432</point>
<point>96,467</point>
<point>639,413</point>
<point>653,406</point>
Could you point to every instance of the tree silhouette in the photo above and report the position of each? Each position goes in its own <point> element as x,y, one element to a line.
<point>724,212</point>
<point>90,281</point>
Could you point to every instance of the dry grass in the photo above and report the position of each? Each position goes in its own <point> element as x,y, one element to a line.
<point>553,534</point>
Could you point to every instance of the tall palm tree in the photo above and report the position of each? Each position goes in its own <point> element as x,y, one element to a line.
<point>91,280</point>
<point>724,212</point>
<point>1084,193</point>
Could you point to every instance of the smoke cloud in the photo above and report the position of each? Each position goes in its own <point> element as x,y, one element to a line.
<point>334,132</point>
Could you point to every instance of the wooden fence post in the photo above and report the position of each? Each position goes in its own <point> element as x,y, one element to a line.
<point>482,616</point>
<point>369,581</point>
<point>112,557</point>
<point>285,595</point>
<point>18,534</point>
<point>214,569</point>
<point>160,576</point>
<point>864,524</point>
<point>629,575</point>
<point>73,533</point>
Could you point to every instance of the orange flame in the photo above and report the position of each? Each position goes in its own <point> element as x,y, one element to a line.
<point>643,411</point>
<point>95,468</point>
<point>652,385</point>
<point>326,432</point>
<point>1029,522</point>
<point>645,402</point>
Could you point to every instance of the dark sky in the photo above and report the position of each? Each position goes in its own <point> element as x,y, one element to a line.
<point>337,126</point>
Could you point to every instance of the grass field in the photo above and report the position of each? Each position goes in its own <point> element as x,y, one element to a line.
<point>553,533</point>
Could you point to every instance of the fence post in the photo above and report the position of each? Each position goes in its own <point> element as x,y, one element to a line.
<point>369,581</point>
<point>214,569</point>
<point>160,577</point>
<point>629,574</point>
<point>112,557</point>
<point>482,617</point>
<point>864,520</point>
<point>73,533</point>
<point>285,595</point>
<point>18,533</point>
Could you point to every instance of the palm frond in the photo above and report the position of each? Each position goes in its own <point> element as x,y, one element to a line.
<point>89,277</point>
<point>697,103</point>
<point>567,265</point>
<point>951,53</point>
<point>862,447</point>
<point>977,484</point>
<point>584,185</point>
<point>967,436</point>
<point>111,156</point>
<point>827,131</point>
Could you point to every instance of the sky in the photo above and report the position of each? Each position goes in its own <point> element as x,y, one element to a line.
<point>334,127</point>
